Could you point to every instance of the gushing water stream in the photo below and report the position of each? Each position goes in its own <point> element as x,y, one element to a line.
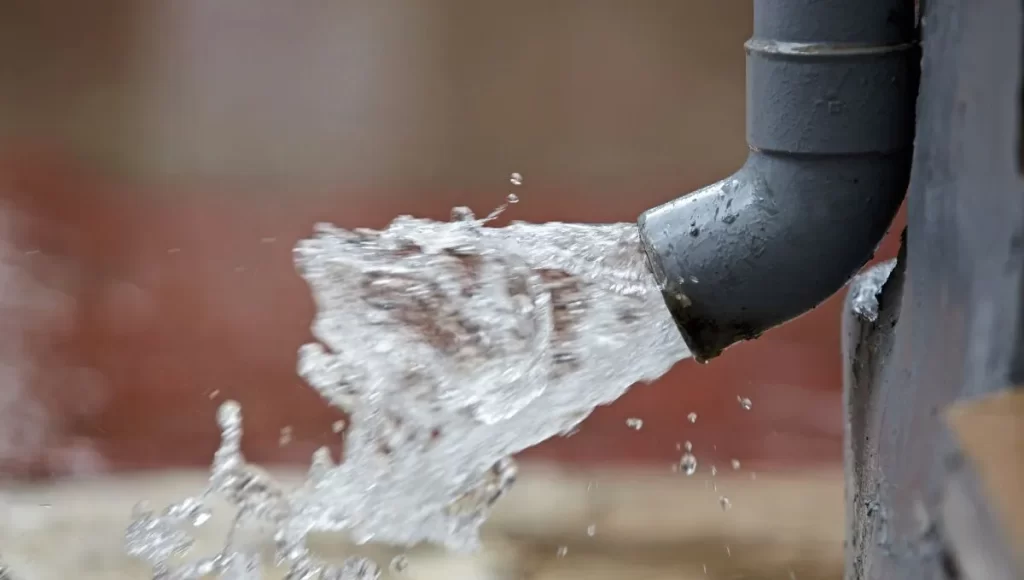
<point>452,346</point>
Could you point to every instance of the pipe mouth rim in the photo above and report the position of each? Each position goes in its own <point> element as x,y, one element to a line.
<point>784,49</point>
<point>703,343</point>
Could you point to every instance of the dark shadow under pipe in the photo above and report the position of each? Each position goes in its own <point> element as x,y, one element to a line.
<point>831,91</point>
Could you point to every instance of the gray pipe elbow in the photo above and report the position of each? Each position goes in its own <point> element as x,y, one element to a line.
<point>831,89</point>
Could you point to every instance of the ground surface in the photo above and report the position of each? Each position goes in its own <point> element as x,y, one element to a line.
<point>646,526</point>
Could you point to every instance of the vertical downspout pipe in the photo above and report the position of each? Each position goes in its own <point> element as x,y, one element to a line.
<point>831,91</point>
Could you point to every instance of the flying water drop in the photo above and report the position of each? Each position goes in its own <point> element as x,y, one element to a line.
<point>688,464</point>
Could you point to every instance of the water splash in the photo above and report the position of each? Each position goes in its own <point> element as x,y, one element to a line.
<point>867,287</point>
<point>452,346</point>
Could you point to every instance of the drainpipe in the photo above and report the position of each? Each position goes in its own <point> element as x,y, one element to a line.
<point>831,89</point>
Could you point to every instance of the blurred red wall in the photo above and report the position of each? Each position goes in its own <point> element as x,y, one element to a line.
<point>162,159</point>
<point>185,300</point>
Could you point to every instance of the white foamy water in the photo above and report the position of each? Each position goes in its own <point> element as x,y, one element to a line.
<point>26,306</point>
<point>39,387</point>
<point>452,346</point>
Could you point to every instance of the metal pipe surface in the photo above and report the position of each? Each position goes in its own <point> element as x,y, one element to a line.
<point>831,91</point>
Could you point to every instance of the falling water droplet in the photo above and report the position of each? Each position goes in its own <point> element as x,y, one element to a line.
<point>562,551</point>
<point>285,437</point>
<point>592,530</point>
<point>338,426</point>
<point>725,503</point>
<point>735,464</point>
<point>516,179</point>
<point>688,464</point>
<point>714,471</point>
<point>692,417</point>
<point>688,446</point>
<point>744,402</point>
<point>512,198</point>
<point>635,423</point>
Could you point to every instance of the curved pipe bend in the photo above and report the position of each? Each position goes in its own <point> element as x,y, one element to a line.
<point>830,118</point>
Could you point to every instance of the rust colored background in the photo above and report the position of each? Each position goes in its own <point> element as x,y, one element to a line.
<point>158,162</point>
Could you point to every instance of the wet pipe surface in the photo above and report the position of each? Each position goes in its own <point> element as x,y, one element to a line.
<point>173,301</point>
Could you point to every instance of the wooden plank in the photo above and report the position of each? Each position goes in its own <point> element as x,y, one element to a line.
<point>991,434</point>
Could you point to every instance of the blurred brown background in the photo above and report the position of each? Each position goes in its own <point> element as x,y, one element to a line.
<point>158,160</point>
